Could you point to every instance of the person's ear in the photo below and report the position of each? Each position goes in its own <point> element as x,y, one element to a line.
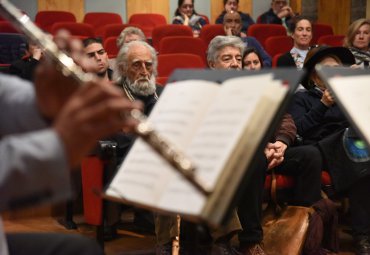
<point>211,64</point>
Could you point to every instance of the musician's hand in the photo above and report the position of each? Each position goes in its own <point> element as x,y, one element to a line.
<point>94,111</point>
<point>327,99</point>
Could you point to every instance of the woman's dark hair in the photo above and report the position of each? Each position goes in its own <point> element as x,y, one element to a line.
<point>225,1</point>
<point>292,24</point>
<point>179,3</point>
<point>250,50</point>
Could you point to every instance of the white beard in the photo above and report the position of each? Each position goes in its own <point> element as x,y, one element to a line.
<point>142,86</point>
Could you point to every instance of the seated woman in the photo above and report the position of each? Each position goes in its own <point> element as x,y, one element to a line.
<point>320,122</point>
<point>233,5</point>
<point>187,16</point>
<point>358,41</point>
<point>252,60</point>
<point>232,27</point>
<point>301,32</point>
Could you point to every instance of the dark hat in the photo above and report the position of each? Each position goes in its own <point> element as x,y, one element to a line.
<point>315,55</point>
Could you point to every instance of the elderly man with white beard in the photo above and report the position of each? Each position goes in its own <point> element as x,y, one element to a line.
<point>136,71</point>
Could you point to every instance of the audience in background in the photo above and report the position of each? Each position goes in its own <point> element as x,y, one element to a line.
<point>25,67</point>
<point>358,41</point>
<point>94,50</point>
<point>130,34</point>
<point>279,13</point>
<point>187,16</point>
<point>252,60</point>
<point>232,27</point>
<point>301,32</point>
<point>232,6</point>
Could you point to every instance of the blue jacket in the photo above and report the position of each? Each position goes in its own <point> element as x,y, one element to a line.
<point>252,42</point>
<point>246,20</point>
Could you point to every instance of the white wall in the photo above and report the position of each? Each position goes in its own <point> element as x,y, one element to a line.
<point>107,6</point>
<point>29,6</point>
<point>259,7</point>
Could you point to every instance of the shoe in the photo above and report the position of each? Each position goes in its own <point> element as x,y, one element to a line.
<point>362,245</point>
<point>253,249</point>
<point>222,248</point>
<point>355,148</point>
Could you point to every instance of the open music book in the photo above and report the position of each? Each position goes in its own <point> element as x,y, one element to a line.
<point>351,90</point>
<point>220,127</point>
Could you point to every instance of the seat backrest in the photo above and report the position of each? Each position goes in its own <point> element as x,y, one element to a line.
<point>12,47</point>
<point>45,19</point>
<point>100,19</point>
<point>6,27</point>
<point>147,21</point>
<point>278,44</point>
<point>332,40</point>
<point>262,31</point>
<point>204,17</point>
<point>169,30</point>
<point>110,46</point>
<point>183,44</point>
<point>167,63</point>
<point>113,30</point>
<point>275,59</point>
<point>208,32</point>
<point>81,30</point>
<point>318,30</point>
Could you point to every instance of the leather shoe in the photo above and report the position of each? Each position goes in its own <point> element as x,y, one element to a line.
<point>252,249</point>
<point>362,245</point>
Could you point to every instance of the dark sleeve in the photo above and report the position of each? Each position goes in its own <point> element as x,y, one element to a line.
<point>220,18</point>
<point>177,21</point>
<point>252,42</point>
<point>24,69</point>
<point>285,60</point>
<point>287,130</point>
<point>307,116</point>
<point>202,22</point>
<point>246,20</point>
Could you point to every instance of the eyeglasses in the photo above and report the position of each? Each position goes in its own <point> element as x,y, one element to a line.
<point>186,6</point>
<point>281,2</point>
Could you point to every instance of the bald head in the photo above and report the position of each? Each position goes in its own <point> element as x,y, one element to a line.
<point>232,23</point>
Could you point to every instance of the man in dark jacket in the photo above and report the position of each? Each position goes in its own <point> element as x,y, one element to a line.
<point>279,13</point>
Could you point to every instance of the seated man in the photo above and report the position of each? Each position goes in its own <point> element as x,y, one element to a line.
<point>232,6</point>
<point>130,34</point>
<point>279,13</point>
<point>94,50</point>
<point>25,67</point>
<point>232,26</point>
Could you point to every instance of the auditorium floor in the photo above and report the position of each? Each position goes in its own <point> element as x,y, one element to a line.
<point>128,243</point>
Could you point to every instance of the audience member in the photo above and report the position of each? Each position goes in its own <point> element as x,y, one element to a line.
<point>94,50</point>
<point>130,34</point>
<point>232,6</point>
<point>279,13</point>
<point>25,67</point>
<point>321,123</point>
<point>38,158</point>
<point>252,60</point>
<point>232,26</point>
<point>187,16</point>
<point>301,32</point>
<point>358,41</point>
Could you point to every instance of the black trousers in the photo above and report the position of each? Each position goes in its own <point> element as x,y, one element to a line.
<point>302,162</point>
<point>51,244</point>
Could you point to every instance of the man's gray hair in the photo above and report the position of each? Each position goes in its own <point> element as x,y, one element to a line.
<point>129,31</point>
<point>122,61</point>
<point>220,42</point>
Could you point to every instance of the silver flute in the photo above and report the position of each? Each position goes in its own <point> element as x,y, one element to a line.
<point>68,67</point>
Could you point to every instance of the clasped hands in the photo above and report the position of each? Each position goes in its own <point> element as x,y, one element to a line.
<point>274,153</point>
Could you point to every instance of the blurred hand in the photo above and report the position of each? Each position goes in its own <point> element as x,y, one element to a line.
<point>37,53</point>
<point>285,12</point>
<point>274,153</point>
<point>327,99</point>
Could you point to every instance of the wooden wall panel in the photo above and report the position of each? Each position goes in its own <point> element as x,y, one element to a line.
<point>296,6</point>
<point>77,7</point>
<point>368,9</point>
<point>336,13</point>
<point>148,6</point>
<point>217,7</point>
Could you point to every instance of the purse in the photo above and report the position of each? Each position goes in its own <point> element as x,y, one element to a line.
<point>284,228</point>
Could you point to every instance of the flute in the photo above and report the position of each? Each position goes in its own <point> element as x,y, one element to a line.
<point>175,157</point>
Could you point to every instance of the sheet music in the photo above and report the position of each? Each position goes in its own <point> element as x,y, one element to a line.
<point>353,93</point>
<point>176,115</point>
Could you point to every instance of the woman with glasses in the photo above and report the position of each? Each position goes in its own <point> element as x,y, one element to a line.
<point>358,41</point>
<point>301,33</point>
<point>187,16</point>
<point>232,6</point>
